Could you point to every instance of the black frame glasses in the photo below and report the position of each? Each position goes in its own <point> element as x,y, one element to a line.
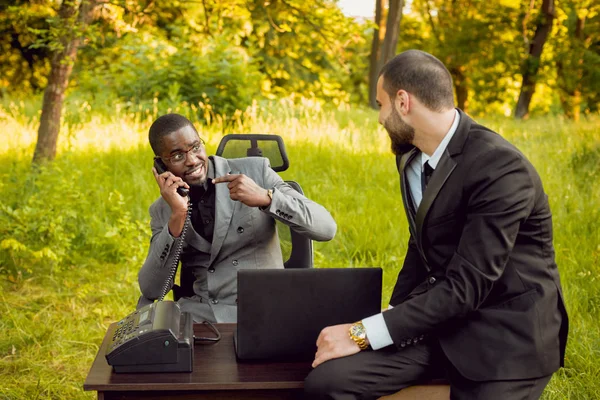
<point>195,150</point>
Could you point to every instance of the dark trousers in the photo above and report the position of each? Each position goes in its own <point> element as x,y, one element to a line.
<point>372,374</point>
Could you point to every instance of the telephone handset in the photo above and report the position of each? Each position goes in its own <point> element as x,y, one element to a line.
<point>161,168</point>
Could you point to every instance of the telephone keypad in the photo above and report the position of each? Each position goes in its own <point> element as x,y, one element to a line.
<point>125,330</point>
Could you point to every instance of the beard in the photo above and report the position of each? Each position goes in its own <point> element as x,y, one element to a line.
<point>401,134</point>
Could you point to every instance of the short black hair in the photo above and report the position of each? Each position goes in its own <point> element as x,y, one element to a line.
<point>421,74</point>
<point>165,125</point>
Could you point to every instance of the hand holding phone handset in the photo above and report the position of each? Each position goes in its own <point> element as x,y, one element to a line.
<point>161,168</point>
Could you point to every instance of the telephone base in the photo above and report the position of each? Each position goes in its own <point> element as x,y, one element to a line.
<point>184,364</point>
<point>156,338</point>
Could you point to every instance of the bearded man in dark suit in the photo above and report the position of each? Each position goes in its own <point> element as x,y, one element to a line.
<point>478,299</point>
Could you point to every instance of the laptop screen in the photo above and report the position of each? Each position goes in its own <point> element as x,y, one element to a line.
<point>282,311</point>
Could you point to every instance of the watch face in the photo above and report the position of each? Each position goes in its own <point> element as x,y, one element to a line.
<point>358,330</point>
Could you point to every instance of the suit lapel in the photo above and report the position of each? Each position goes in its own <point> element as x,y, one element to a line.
<point>223,208</point>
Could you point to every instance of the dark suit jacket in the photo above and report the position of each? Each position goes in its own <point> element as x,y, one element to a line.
<point>479,274</point>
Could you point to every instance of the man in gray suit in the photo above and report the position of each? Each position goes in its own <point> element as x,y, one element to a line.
<point>233,205</point>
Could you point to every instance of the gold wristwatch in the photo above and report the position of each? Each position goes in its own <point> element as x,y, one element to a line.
<point>270,194</point>
<point>358,333</point>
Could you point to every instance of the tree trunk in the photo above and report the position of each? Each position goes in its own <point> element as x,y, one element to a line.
<point>532,63</point>
<point>375,57</point>
<point>461,87</point>
<point>61,66</point>
<point>392,30</point>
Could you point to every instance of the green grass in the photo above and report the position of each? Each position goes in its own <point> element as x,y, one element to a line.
<point>74,234</point>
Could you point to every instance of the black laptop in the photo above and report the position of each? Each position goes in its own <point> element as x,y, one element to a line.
<point>282,311</point>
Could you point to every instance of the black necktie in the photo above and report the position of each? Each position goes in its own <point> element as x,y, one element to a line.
<point>425,175</point>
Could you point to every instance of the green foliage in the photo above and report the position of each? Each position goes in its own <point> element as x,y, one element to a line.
<point>216,77</point>
<point>24,66</point>
<point>51,219</point>
<point>77,230</point>
<point>239,50</point>
<point>577,61</point>
<point>303,47</point>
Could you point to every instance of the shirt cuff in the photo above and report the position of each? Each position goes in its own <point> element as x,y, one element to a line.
<point>377,332</point>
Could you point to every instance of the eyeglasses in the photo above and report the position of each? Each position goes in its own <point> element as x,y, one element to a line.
<point>181,156</point>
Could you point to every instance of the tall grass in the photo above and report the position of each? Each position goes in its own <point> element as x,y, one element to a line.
<point>73,234</point>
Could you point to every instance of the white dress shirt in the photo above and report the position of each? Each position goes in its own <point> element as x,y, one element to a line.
<point>377,331</point>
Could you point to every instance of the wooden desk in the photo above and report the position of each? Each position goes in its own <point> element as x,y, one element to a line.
<point>217,375</point>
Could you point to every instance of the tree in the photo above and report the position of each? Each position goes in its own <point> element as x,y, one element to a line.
<point>302,45</point>
<point>392,30</point>
<point>531,64</point>
<point>469,38</point>
<point>375,56</point>
<point>577,58</point>
<point>383,50</point>
<point>67,32</point>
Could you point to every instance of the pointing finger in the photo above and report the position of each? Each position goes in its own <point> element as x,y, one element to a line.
<point>226,178</point>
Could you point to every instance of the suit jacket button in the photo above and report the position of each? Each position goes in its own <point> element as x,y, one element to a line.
<point>235,262</point>
<point>214,301</point>
<point>409,341</point>
<point>211,270</point>
<point>240,229</point>
<point>403,344</point>
<point>431,280</point>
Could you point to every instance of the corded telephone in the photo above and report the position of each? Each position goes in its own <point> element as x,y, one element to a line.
<point>157,337</point>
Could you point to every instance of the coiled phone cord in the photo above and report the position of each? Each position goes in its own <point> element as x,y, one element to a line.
<point>173,272</point>
<point>178,248</point>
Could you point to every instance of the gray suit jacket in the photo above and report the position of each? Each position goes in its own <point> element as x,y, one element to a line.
<point>244,238</point>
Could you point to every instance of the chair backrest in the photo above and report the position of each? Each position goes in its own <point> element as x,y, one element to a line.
<point>255,145</point>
